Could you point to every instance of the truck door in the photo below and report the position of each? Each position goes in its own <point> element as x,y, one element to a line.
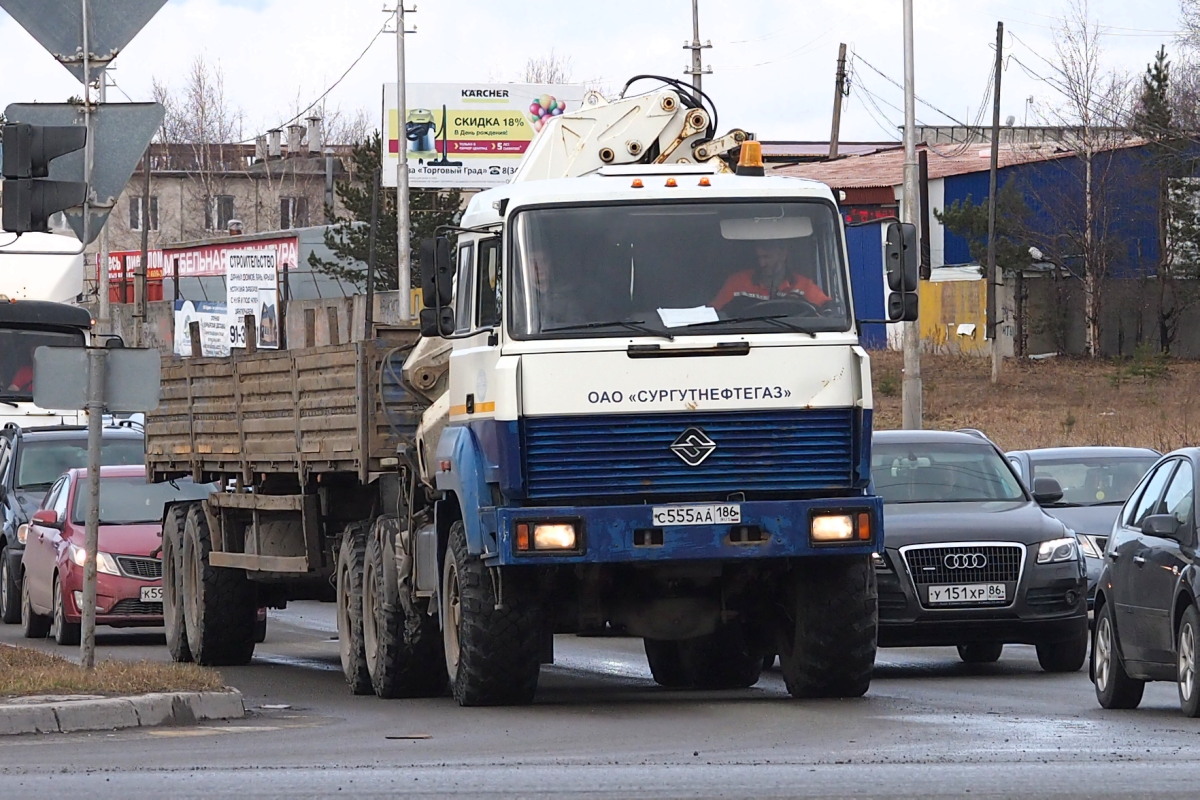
<point>474,389</point>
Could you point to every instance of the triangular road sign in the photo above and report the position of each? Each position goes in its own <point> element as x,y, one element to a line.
<point>119,135</point>
<point>58,27</point>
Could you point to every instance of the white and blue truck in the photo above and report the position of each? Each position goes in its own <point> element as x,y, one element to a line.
<point>614,417</point>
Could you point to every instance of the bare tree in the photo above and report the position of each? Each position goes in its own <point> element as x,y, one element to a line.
<point>1096,103</point>
<point>549,68</point>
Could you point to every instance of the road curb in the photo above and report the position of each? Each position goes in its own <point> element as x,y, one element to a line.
<point>64,714</point>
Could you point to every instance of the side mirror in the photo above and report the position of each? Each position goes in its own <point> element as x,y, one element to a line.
<point>903,263</point>
<point>437,321</point>
<point>437,273</point>
<point>46,517</point>
<point>1164,526</point>
<point>1046,490</point>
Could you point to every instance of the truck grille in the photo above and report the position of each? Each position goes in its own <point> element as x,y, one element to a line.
<point>766,451</point>
<point>929,565</point>
<point>144,568</point>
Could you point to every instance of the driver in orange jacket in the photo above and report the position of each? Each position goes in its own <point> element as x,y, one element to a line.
<point>771,280</point>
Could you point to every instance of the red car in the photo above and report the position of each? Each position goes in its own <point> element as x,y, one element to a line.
<point>128,564</point>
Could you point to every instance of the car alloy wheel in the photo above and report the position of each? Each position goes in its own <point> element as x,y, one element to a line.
<point>1189,691</point>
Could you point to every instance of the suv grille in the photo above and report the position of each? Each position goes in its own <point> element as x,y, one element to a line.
<point>144,568</point>
<point>940,564</point>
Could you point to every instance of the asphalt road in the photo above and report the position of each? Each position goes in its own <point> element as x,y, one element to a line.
<point>600,728</point>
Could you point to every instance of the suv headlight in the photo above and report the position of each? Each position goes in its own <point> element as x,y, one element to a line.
<point>104,562</point>
<point>1091,548</point>
<point>880,562</point>
<point>1058,550</point>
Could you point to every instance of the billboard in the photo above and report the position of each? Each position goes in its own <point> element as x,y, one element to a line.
<point>468,136</point>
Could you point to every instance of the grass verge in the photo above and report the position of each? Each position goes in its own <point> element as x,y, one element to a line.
<point>24,671</point>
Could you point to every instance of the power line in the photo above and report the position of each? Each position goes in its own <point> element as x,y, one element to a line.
<point>898,85</point>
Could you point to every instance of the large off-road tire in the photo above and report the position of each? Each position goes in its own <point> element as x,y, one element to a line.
<point>351,556</point>
<point>10,591</point>
<point>404,656</point>
<point>830,639</point>
<point>33,624</point>
<point>980,652</point>
<point>63,632</point>
<point>219,604</point>
<point>1114,687</point>
<point>720,660</point>
<point>1187,639</point>
<point>172,584</point>
<point>1066,656</point>
<point>666,663</point>
<point>493,654</point>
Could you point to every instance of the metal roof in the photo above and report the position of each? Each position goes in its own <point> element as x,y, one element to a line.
<point>886,167</point>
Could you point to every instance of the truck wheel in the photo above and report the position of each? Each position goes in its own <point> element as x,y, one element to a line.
<point>218,604</point>
<point>831,638</point>
<point>1067,656</point>
<point>720,660</point>
<point>351,556</point>
<point>666,663</point>
<point>980,652</point>
<point>404,656</point>
<point>172,577</point>
<point>33,624</point>
<point>493,654</point>
<point>10,591</point>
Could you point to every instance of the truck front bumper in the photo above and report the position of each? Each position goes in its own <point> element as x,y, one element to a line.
<point>651,532</point>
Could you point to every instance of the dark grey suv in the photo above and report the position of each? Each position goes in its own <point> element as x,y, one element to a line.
<point>31,459</point>
<point>970,558</point>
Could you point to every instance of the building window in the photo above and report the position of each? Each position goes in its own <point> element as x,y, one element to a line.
<point>293,212</point>
<point>136,207</point>
<point>218,211</point>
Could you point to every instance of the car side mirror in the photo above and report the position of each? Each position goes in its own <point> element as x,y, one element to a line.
<point>46,517</point>
<point>1165,526</point>
<point>1046,490</point>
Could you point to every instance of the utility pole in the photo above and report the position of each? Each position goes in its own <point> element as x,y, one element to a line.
<point>839,91</point>
<point>993,274</point>
<point>696,69</point>
<point>139,285</point>
<point>910,387</point>
<point>104,306</point>
<point>403,245</point>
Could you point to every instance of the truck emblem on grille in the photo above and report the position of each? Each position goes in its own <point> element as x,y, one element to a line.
<point>693,446</point>
<point>965,561</point>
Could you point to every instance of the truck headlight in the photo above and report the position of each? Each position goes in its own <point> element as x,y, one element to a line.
<point>1058,550</point>
<point>543,536</point>
<point>840,527</point>
<point>104,562</point>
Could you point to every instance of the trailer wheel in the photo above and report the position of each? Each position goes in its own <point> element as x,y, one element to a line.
<point>493,654</point>
<point>721,660</point>
<point>404,655</point>
<point>351,556</point>
<point>830,639</point>
<point>172,576</point>
<point>666,663</point>
<point>219,605</point>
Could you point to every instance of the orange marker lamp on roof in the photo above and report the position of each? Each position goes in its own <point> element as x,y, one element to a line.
<point>750,160</point>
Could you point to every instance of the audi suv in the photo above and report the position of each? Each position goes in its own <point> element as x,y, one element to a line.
<point>970,559</point>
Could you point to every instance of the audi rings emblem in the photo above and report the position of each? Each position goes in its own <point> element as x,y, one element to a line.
<point>965,561</point>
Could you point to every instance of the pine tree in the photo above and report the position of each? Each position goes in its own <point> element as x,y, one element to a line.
<point>349,237</point>
<point>1152,118</point>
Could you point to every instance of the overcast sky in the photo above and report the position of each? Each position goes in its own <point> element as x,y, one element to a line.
<point>772,61</point>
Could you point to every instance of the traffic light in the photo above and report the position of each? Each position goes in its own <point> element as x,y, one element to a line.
<point>903,271</point>
<point>30,195</point>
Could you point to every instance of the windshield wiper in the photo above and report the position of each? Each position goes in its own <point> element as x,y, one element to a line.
<point>778,320</point>
<point>632,325</point>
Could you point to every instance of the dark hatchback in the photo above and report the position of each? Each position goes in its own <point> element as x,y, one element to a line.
<point>1147,617</point>
<point>1095,481</point>
<point>970,558</point>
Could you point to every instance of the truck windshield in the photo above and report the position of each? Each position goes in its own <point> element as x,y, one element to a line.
<point>677,268</point>
<point>16,358</point>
